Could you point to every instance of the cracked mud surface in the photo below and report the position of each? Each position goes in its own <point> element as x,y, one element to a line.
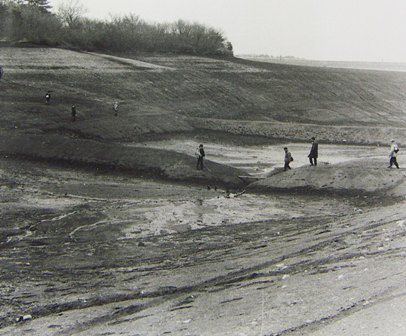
<point>87,252</point>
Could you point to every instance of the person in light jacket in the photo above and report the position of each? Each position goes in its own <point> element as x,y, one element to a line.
<point>394,149</point>
<point>47,97</point>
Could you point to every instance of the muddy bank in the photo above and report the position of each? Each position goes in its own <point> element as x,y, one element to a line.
<point>369,177</point>
<point>63,228</point>
<point>90,254</point>
<point>87,252</point>
<point>262,157</point>
<point>342,169</point>
<point>158,163</point>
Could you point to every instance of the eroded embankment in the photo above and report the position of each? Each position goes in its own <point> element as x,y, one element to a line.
<point>368,177</point>
<point>142,161</point>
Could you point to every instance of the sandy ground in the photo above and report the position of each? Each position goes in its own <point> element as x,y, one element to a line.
<point>260,160</point>
<point>88,252</point>
<point>372,321</point>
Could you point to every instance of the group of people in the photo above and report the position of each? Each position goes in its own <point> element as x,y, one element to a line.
<point>313,155</point>
<point>73,108</point>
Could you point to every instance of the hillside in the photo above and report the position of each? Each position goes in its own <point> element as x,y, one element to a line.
<point>161,95</point>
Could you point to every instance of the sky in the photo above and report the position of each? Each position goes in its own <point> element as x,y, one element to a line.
<point>338,30</point>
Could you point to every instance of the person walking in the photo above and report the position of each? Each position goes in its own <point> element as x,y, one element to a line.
<point>200,155</point>
<point>394,149</point>
<point>48,97</point>
<point>288,159</point>
<point>314,152</point>
<point>73,112</point>
<point>115,108</point>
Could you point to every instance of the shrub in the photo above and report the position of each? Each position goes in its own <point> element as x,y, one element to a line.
<point>31,21</point>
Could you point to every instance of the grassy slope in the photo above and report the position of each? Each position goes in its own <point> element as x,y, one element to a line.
<point>162,100</point>
<point>165,94</point>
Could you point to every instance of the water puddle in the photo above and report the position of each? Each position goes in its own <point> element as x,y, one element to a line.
<point>167,216</point>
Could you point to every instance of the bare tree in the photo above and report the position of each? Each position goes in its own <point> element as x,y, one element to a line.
<point>42,5</point>
<point>70,12</point>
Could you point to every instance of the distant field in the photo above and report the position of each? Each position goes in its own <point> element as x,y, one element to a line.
<point>380,66</point>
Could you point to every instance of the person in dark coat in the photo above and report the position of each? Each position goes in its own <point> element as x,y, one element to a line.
<point>288,159</point>
<point>314,152</point>
<point>1,71</point>
<point>200,155</point>
<point>73,112</point>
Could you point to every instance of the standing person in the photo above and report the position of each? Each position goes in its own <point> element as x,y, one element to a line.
<point>1,71</point>
<point>288,159</point>
<point>394,149</point>
<point>115,108</point>
<point>200,155</point>
<point>314,152</point>
<point>73,112</point>
<point>48,97</point>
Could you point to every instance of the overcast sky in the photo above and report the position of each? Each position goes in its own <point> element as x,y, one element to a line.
<point>349,30</point>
